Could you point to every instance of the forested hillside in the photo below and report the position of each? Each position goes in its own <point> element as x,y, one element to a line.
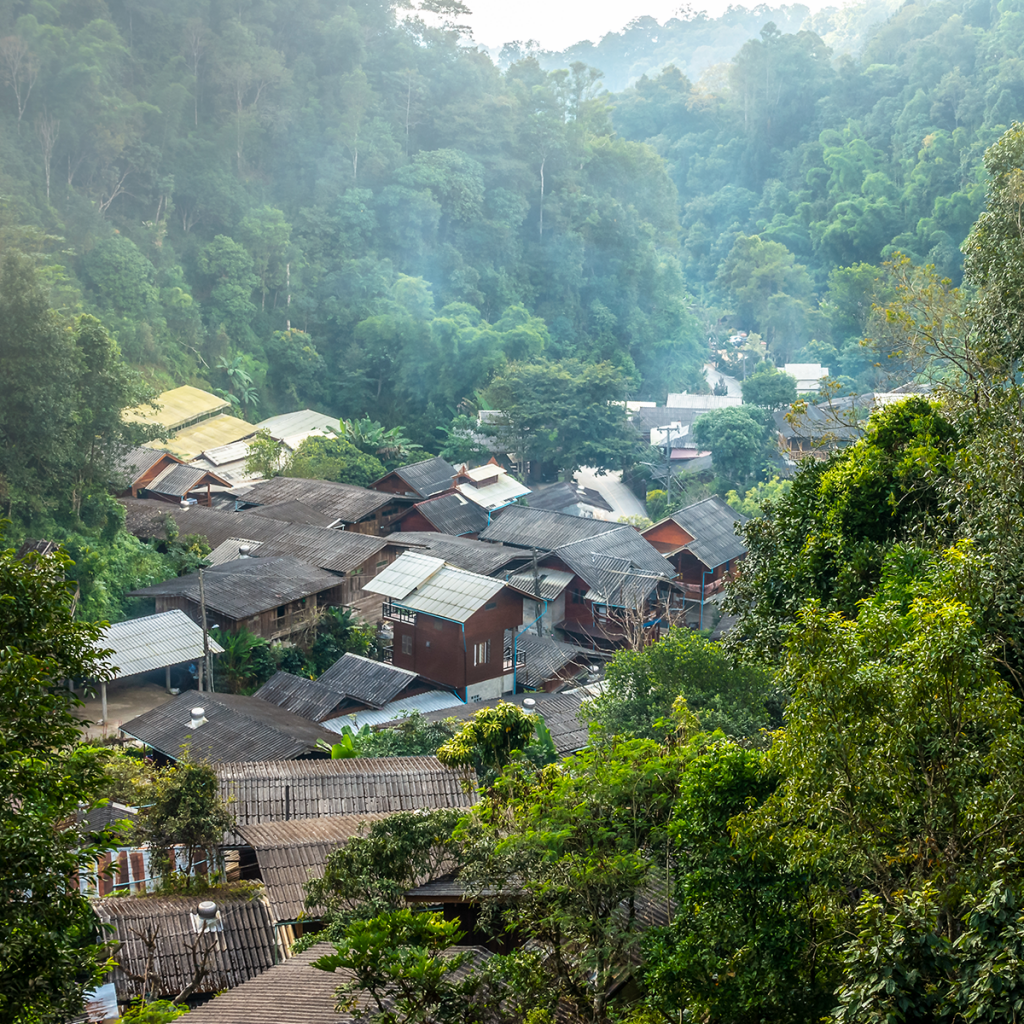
<point>366,215</point>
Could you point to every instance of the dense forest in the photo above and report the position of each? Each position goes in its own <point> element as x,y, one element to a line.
<point>363,213</point>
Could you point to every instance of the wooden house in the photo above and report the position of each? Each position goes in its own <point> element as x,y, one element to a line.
<point>449,624</point>
<point>275,598</point>
<point>418,481</point>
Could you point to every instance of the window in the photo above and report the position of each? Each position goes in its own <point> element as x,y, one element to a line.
<point>482,653</point>
<point>438,624</point>
<point>407,644</point>
<point>282,611</point>
<point>382,563</point>
<point>577,595</point>
<point>491,604</point>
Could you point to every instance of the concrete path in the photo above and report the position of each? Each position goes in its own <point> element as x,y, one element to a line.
<point>610,486</point>
<point>714,376</point>
<point>125,701</point>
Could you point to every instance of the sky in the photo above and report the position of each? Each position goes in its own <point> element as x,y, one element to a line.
<point>556,24</point>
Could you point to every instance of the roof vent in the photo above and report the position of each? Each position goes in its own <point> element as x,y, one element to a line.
<point>207,918</point>
<point>198,717</point>
<point>529,702</point>
<point>183,503</point>
<point>244,550</point>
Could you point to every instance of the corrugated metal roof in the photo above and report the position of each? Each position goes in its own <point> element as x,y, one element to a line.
<point>452,594</point>
<point>298,993</point>
<point>682,400</point>
<point>302,422</point>
<point>247,586</point>
<point>372,682</point>
<point>536,528</point>
<point>619,566</point>
<point>351,678</point>
<point>224,454</point>
<point>211,433</point>
<point>563,495</point>
<point>301,696</point>
<point>177,480</point>
<point>155,641</point>
<point>453,514</point>
<point>424,703</point>
<point>463,553</point>
<point>545,656</point>
<point>404,575</point>
<point>711,523</point>
<point>177,406</point>
<point>261,791</point>
<point>502,492</point>
<point>552,582</point>
<point>229,551</point>
<point>332,550</point>
<point>428,477</point>
<point>131,463</point>
<point>347,502</point>
<point>290,853</point>
<point>293,512</point>
<point>236,729</point>
<point>244,948</point>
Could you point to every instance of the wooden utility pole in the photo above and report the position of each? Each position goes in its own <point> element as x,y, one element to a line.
<point>536,590</point>
<point>206,635</point>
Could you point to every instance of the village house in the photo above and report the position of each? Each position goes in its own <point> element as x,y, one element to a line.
<point>352,508</point>
<point>353,683</point>
<point>450,514</point>
<point>418,481</point>
<point>449,624</point>
<point>218,727</point>
<point>275,598</point>
<point>701,542</point>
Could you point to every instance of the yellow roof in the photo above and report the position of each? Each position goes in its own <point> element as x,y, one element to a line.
<point>177,407</point>
<point>212,433</point>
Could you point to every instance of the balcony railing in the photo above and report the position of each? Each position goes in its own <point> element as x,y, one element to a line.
<point>398,614</point>
<point>508,664</point>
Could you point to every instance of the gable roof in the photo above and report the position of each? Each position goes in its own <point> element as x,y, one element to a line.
<point>426,478</point>
<point>208,433</point>
<point>290,853</point>
<point>428,585</point>
<point>236,729</point>
<point>130,463</point>
<point>490,486</point>
<point>154,641</point>
<point>619,566</point>
<point>462,552</point>
<point>525,527</point>
<point>453,514</point>
<point>711,523</point>
<point>346,502</point>
<point>429,700</point>
<point>304,421</point>
<point>242,949</point>
<point>177,480</point>
<point>544,656</point>
<point>247,586</point>
<point>564,495</point>
<point>332,550</point>
<point>351,678</point>
<point>262,791</point>
<point>293,511</point>
<point>550,582</point>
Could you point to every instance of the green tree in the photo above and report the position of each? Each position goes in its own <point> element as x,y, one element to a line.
<point>264,455</point>
<point>487,741</point>
<point>827,537</point>
<point>769,389</point>
<point>228,269</point>
<point>735,438</point>
<point>184,808</point>
<point>562,414</point>
<point>50,942</point>
<point>333,458</point>
<point>642,688</point>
